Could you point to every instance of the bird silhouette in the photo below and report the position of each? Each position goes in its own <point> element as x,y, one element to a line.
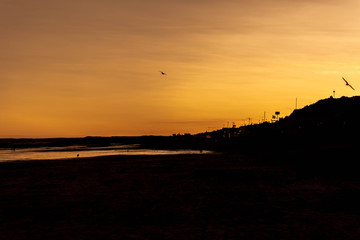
<point>162,73</point>
<point>347,84</point>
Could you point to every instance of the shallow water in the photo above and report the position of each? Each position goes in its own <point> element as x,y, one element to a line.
<point>72,152</point>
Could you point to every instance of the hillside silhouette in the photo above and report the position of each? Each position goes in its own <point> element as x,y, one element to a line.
<point>328,123</point>
<point>330,116</point>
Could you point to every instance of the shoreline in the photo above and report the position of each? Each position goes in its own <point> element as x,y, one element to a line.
<point>67,153</point>
<point>111,158</point>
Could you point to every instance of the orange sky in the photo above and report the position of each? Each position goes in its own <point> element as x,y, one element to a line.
<point>86,67</point>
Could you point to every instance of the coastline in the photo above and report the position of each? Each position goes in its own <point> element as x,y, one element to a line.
<point>224,196</point>
<point>65,154</point>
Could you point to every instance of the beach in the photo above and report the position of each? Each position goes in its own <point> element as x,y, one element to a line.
<point>210,196</point>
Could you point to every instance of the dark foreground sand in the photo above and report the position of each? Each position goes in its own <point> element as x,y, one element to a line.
<point>178,197</point>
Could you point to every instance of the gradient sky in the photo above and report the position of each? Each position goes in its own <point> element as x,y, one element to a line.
<point>91,67</point>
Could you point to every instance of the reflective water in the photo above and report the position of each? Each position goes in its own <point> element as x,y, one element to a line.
<point>72,152</point>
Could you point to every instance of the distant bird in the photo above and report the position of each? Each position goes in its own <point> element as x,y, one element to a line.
<point>162,73</point>
<point>347,84</point>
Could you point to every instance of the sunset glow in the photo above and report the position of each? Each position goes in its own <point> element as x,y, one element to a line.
<point>81,68</point>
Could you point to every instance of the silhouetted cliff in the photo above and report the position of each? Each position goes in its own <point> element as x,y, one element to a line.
<point>327,123</point>
<point>332,116</point>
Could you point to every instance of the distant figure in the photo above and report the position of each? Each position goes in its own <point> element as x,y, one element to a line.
<point>77,155</point>
<point>162,73</point>
<point>347,84</point>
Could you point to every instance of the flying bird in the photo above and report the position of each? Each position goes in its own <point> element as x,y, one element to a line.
<point>347,84</point>
<point>162,73</point>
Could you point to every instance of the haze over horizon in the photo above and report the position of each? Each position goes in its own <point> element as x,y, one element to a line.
<point>81,68</point>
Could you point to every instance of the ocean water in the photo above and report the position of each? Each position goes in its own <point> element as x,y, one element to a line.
<point>73,152</point>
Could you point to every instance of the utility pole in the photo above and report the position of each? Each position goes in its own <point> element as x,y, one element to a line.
<point>264,116</point>
<point>296,104</point>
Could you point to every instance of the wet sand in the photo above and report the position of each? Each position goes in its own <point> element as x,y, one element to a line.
<point>225,196</point>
